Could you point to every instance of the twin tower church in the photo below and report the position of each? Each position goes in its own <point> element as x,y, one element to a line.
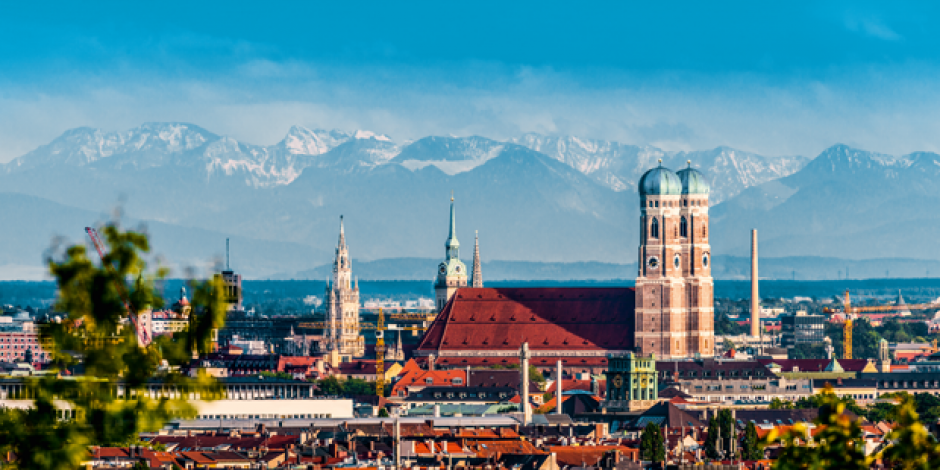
<point>668,313</point>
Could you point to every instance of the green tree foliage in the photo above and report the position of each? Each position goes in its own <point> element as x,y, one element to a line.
<point>898,332</point>
<point>912,446</point>
<point>535,375</point>
<point>652,444</point>
<point>807,351</point>
<point>276,375</point>
<point>383,412</point>
<point>711,440</point>
<point>751,448</point>
<point>332,386</point>
<point>725,327</point>
<point>821,399</point>
<point>840,444</point>
<point>778,404</point>
<point>140,465</point>
<point>721,425</point>
<point>95,332</point>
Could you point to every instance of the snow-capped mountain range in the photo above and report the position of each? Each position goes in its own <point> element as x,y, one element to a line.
<point>613,164</point>
<point>532,198</point>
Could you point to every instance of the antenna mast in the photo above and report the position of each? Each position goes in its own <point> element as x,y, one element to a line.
<point>227,266</point>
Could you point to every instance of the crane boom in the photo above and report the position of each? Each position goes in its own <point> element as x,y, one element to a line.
<point>380,356</point>
<point>143,338</point>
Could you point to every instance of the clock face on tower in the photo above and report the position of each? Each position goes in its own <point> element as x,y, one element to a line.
<point>443,269</point>
<point>653,262</point>
<point>457,269</point>
<point>618,381</point>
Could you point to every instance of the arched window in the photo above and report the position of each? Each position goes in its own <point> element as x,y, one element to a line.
<point>683,227</point>
<point>654,229</point>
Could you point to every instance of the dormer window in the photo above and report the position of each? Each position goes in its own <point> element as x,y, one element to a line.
<point>429,381</point>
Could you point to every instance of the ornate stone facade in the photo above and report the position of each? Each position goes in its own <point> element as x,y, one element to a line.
<point>631,382</point>
<point>452,273</point>
<point>674,287</point>
<point>343,305</point>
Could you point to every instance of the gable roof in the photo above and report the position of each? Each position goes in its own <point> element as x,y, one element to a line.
<point>546,318</point>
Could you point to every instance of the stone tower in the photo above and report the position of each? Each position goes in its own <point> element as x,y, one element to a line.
<point>674,288</point>
<point>452,273</point>
<point>342,297</point>
<point>477,270</point>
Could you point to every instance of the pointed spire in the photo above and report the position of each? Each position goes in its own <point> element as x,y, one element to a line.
<point>452,243</point>
<point>342,234</point>
<point>477,270</point>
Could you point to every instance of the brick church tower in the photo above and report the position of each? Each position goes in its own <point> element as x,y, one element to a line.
<point>674,288</point>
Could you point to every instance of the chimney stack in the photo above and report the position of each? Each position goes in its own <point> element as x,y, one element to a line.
<point>755,296</point>
<point>524,370</point>
<point>558,376</point>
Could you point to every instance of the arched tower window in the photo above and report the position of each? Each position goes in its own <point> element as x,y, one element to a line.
<point>654,228</point>
<point>683,227</point>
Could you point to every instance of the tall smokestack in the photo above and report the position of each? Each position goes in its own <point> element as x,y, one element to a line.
<point>558,376</point>
<point>524,399</point>
<point>755,296</point>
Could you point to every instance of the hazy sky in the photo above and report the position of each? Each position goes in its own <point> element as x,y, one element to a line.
<point>775,78</point>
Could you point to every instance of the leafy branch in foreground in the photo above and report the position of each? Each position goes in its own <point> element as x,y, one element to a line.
<point>106,402</point>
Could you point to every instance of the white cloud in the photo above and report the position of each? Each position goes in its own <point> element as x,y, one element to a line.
<point>887,110</point>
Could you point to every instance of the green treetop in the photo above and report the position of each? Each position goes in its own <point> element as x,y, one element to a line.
<point>95,333</point>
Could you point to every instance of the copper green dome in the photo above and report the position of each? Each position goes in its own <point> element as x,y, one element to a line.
<point>693,181</point>
<point>660,181</point>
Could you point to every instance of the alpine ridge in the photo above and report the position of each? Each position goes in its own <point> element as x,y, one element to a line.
<point>538,198</point>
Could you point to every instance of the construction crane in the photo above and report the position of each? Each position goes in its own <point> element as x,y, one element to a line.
<point>380,356</point>
<point>850,310</point>
<point>143,338</point>
<point>847,339</point>
<point>413,316</point>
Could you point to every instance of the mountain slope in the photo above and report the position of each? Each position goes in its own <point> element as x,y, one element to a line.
<point>34,223</point>
<point>620,166</point>
<point>847,203</point>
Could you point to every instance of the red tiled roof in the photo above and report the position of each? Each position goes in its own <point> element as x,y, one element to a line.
<point>439,378</point>
<point>547,318</point>
<point>588,456</point>
<point>294,361</point>
<point>576,384</point>
<point>543,362</point>
<point>106,452</point>
<point>421,447</point>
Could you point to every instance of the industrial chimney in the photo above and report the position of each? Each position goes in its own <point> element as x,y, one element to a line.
<point>755,296</point>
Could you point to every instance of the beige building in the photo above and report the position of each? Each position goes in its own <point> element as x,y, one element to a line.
<point>674,288</point>
<point>342,298</point>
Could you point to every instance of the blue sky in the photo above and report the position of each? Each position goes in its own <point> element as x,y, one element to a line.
<point>775,78</point>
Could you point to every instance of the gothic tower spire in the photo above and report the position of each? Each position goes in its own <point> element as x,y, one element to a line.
<point>477,271</point>
<point>452,245</point>
<point>343,304</point>
<point>452,273</point>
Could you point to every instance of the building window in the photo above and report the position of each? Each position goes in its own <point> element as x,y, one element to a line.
<point>654,228</point>
<point>683,227</point>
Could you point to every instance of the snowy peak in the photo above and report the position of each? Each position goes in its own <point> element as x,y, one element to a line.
<point>367,135</point>
<point>302,141</point>
<point>452,155</point>
<point>84,145</point>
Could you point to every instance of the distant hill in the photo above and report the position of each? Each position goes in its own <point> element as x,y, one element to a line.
<point>800,268</point>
